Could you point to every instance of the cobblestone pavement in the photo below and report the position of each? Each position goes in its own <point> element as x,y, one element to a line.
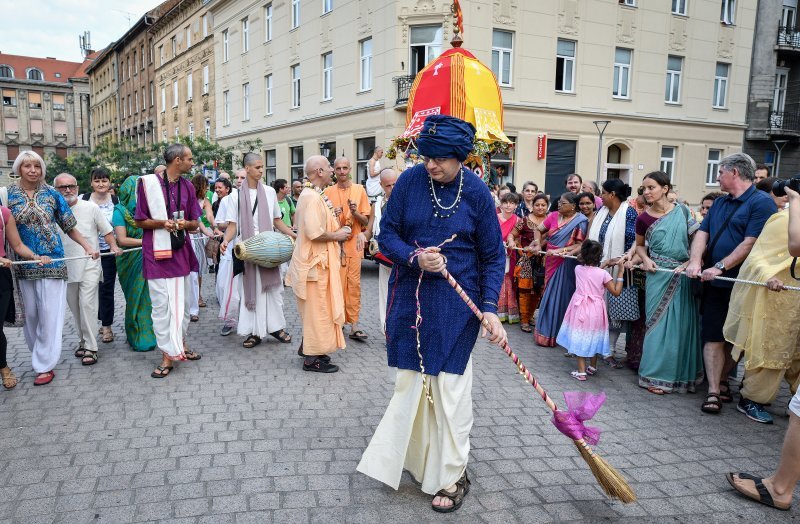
<point>244,435</point>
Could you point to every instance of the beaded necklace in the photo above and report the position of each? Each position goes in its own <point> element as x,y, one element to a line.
<point>320,193</point>
<point>439,209</point>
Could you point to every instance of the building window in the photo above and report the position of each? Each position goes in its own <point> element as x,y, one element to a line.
<point>150,51</point>
<point>225,54</point>
<point>177,131</point>
<point>144,100</point>
<point>174,93</point>
<point>35,74</point>
<point>366,64</point>
<point>327,76</point>
<point>152,95</point>
<point>226,108</point>
<point>6,72</point>
<point>134,64</point>
<point>204,25</point>
<point>673,90</point>
<point>668,161</point>
<point>161,55</point>
<point>622,73</point>
<point>712,167</point>
<point>189,90</point>
<point>245,35</point>
<point>268,94</point>
<point>426,44</point>
<point>721,86</point>
<point>9,98</point>
<point>35,100</point>
<point>327,6</point>
<point>364,149</point>
<point>142,55</point>
<point>295,85</point>
<point>163,135</point>
<point>502,49</point>
<point>207,129</point>
<point>295,13</point>
<point>728,15</point>
<point>174,41</point>
<point>565,66</point>
<point>679,7</point>
<point>130,106</point>
<point>246,101</point>
<point>205,79</point>
<point>268,22</point>
<point>163,99</point>
<point>191,131</point>
<point>187,31</point>
<point>58,102</point>
<point>629,3</point>
<point>270,166</point>
<point>296,154</point>
<point>136,101</point>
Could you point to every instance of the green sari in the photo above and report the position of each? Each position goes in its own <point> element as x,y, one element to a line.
<point>672,358</point>
<point>138,308</point>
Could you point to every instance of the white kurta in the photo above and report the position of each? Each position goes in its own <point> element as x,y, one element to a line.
<point>267,317</point>
<point>227,286</point>
<point>430,441</point>
<point>85,274</point>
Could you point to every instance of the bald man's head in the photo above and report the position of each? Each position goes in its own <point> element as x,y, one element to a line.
<point>318,170</point>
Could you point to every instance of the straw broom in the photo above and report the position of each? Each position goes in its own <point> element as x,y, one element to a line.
<point>612,482</point>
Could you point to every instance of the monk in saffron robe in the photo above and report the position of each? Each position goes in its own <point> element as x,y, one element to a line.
<point>426,426</point>
<point>314,272</point>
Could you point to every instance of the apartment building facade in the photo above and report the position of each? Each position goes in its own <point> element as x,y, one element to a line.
<point>332,76</point>
<point>184,71</point>
<point>45,108</point>
<point>104,97</point>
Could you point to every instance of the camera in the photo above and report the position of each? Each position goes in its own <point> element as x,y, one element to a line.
<point>779,187</point>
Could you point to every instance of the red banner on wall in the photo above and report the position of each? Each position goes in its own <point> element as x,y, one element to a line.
<point>541,147</point>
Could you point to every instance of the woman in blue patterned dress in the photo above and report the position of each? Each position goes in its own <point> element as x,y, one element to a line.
<point>39,210</point>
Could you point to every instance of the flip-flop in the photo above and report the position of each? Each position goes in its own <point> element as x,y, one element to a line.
<point>163,371</point>
<point>358,335</point>
<point>282,336</point>
<point>191,355</point>
<point>764,496</point>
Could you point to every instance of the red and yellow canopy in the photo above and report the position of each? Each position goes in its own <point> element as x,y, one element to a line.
<point>459,85</point>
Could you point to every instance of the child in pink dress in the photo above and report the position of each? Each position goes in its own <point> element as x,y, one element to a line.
<point>584,332</point>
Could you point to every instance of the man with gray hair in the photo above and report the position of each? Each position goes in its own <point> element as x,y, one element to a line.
<point>84,274</point>
<point>722,243</point>
<point>166,209</point>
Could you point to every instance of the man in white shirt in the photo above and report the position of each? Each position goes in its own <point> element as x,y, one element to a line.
<point>84,274</point>
<point>227,288</point>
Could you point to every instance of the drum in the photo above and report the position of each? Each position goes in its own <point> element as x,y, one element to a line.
<point>268,249</point>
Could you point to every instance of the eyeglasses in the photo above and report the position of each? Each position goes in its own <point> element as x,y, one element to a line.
<point>71,187</point>
<point>565,203</point>
<point>438,161</point>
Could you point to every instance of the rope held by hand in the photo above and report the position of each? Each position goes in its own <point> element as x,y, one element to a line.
<point>568,422</point>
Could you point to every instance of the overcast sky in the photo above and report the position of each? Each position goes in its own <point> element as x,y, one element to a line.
<point>51,27</point>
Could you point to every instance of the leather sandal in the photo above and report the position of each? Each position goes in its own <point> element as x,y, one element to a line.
<point>764,496</point>
<point>711,404</point>
<point>251,341</point>
<point>89,358</point>
<point>8,377</point>
<point>457,496</point>
<point>725,393</point>
<point>282,336</point>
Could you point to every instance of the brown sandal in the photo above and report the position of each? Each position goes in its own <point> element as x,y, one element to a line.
<point>457,496</point>
<point>9,378</point>
<point>251,341</point>
<point>108,334</point>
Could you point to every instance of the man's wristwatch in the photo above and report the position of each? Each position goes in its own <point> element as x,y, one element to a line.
<point>719,265</point>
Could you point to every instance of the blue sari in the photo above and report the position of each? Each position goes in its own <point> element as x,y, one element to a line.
<point>672,360</point>
<point>560,283</point>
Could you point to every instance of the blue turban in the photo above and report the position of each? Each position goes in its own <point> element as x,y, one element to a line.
<point>444,136</point>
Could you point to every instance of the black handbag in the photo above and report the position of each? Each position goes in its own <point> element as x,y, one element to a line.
<point>538,269</point>
<point>626,306</point>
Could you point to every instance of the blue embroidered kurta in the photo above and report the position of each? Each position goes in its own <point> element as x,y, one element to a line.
<point>476,259</point>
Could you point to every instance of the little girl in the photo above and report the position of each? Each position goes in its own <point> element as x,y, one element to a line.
<point>584,332</point>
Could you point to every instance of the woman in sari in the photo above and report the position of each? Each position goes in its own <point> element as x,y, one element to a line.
<point>672,361</point>
<point>507,305</point>
<point>138,309</point>
<point>529,262</point>
<point>564,231</point>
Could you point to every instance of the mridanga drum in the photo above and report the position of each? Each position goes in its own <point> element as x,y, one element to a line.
<point>268,249</point>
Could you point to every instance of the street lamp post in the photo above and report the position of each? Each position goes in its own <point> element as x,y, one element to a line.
<point>601,128</point>
<point>779,145</point>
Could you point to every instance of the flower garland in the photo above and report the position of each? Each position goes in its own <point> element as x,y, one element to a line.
<point>325,198</point>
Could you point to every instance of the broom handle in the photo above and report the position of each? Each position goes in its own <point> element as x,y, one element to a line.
<point>524,371</point>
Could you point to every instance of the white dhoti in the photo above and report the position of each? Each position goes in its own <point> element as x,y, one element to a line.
<point>430,441</point>
<point>227,291</point>
<point>194,295</point>
<point>794,405</point>
<point>267,317</point>
<point>44,301</point>
<point>82,301</point>
<point>170,298</point>
<point>383,293</point>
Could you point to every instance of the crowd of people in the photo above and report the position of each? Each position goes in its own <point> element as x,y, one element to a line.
<point>575,271</point>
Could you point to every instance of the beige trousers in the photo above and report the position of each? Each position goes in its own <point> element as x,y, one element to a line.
<point>430,441</point>
<point>83,303</point>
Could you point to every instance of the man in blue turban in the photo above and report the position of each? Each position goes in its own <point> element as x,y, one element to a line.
<point>426,426</point>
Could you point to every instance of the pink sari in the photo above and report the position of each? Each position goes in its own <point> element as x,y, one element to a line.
<point>508,305</point>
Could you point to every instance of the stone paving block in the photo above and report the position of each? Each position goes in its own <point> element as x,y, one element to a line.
<point>191,507</point>
<point>228,503</point>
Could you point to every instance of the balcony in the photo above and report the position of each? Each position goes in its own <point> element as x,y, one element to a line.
<point>403,85</point>
<point>789,38</point>
<point>784,123</point>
